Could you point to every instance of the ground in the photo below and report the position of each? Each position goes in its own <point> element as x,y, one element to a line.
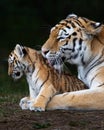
<point>13,118</point>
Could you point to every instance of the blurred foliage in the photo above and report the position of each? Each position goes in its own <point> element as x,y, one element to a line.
<point>28,22</point>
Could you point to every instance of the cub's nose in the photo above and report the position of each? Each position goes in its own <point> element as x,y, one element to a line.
<point>44,52</point>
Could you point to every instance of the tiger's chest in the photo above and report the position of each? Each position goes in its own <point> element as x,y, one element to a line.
<point>90,75</point>
<point>34,84</point>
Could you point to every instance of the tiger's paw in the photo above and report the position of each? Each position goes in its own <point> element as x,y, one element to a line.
<point>36,109</point>
<point>24,103</point>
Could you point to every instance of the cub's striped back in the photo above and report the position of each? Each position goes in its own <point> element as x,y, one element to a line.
<point>44,81</point>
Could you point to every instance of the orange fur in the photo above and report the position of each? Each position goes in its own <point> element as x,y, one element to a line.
<point>44,82</point>
<point>81,42</point>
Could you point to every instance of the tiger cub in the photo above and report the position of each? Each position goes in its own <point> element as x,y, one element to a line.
<point>44,82</point>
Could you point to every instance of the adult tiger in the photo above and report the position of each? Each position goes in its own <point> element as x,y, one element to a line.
<point>79,41</point>
<point>44,82</point>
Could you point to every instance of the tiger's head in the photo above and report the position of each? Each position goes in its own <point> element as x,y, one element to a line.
<point>70,39</point>
<point>21,61</point>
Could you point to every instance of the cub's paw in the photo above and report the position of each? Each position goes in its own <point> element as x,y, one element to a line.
<point>24,103</point>
<point>36,109</point>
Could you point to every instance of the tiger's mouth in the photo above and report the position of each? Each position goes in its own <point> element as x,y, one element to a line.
<point>17,75</point>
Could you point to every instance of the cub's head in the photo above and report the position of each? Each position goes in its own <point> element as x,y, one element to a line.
<point>21,61</point>
<point>69,39</point>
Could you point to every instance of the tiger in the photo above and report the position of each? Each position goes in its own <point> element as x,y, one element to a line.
<point>44,82</point>
<point>80,42</point>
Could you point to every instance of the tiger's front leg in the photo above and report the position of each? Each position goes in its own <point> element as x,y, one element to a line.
<point>40,103</point>
<point>83,99</point>
<point>26,102</point>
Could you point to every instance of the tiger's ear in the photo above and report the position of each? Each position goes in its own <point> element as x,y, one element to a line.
<point>20,51</point>
<point>94,28</point>
<point>72,16</point>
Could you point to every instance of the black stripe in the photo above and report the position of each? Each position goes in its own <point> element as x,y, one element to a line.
<point>57,76</point>
<point>97,62</point>
<point>84,19</point>
<point>36,81</point>
<point>66,43</point>
<point>74,34</point>
<point>101,85</point>
<point>69,36</point>
<point>67,49</point>
<point>37,72</point>
<point>60,38</point>
<point>74,44</point>
<point>73,83</point>
<point>62,23</point>
<point>42,96</point>
<point>92,68</point>
<point>80,44</point>
<point>99,40</point>
<point>79,23</point>
<point>68,26</point>
<point>45,80</point>
<point>75,56</point>
<point>73,25</point>
<point>65,82</point>
<point>94,78</point>
<point>64,30</point>
<point>80,47</point>
<point>82,60</point>
<point>24,67</point>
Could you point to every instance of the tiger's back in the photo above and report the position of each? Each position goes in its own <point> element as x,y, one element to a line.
<point>66,82</point>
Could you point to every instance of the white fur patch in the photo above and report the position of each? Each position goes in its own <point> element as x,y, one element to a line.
<point>97,24</point>
<point>71,15</point>
<point>64,33</point>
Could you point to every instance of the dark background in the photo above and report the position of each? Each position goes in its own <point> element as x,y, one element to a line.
<point>28,22</point>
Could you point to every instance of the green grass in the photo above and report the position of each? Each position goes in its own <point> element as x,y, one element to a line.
<point>8,86</point>
<point>41,125</point>
<point>11,90</point>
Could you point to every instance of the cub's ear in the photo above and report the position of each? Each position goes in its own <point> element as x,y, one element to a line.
<point>20,51</point>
